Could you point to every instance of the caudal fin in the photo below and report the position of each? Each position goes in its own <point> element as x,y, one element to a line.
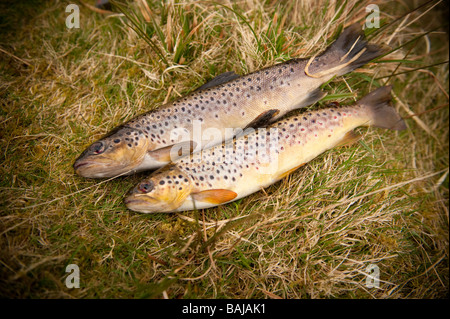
<point>381,113</point>
<point>348,52</point>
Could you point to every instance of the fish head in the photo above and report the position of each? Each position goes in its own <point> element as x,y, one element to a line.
<point>163,191</point>
<point>118,153</point>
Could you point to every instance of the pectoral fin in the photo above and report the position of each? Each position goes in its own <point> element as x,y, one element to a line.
<point>215,196</point>
<point>349,138</point>
<point>263,119</point>
<point>172,152</point>
<point>221,78</point>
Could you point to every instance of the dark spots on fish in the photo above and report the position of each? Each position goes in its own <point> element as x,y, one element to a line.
<point>129,145</point>
<point>162,182</point>
<point>116,141</point>
<point>313,121</point>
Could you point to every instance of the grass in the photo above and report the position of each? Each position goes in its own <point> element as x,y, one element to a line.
<point>382,201</point>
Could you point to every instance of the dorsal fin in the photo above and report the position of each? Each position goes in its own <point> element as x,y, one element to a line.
<point>220,79</point>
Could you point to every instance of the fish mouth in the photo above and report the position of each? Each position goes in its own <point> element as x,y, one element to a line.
<point>78,165</point>
<point>90,169</point>
<point>138,205</point>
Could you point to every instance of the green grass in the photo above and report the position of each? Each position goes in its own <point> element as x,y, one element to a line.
<point>383,200</point>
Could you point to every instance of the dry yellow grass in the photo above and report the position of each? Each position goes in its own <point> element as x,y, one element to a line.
<point>383,201</point>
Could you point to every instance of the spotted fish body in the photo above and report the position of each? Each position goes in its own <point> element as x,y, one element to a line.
<point>247,164</point>
<point>230,102</point>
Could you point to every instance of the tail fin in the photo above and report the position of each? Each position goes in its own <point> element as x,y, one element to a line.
<point>381,113</point>
<point>348,52</point>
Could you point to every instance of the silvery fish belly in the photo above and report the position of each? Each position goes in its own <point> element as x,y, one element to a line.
<point>216,111</point>
<point>246,164</point>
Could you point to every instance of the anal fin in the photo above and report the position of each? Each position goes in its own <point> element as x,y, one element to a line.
<point>283,175</point>
<point>349,138</point>
<point>263,119</point>
<point>312,98</point>
<point>215,196</point>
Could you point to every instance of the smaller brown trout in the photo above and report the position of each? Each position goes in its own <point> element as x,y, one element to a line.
<point>246,164</point>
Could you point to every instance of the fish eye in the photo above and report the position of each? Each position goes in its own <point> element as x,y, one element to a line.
<point>98,148</point>
<point>146,187</point>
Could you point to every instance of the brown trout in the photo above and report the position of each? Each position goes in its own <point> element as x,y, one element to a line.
<point>248,163</point>
<point>153,139</point>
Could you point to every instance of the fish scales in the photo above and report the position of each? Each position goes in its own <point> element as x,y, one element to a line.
<point>245,165</point>
<point>230,105</point>
<point>147,141</point>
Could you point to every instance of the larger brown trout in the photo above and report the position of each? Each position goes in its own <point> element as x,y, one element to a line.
<point>248,163</point>
<point>151,140</point>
